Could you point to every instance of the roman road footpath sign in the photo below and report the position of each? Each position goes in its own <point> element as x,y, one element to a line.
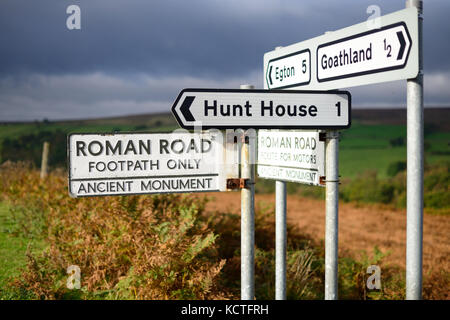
<point>297,156</point>
<point>227,108</point>
<point>140,163</point>
<point>357,55</point>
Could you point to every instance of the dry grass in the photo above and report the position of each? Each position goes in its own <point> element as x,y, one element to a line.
<point>180,246</point>
<point>140,247</point>
<point>146,247</point>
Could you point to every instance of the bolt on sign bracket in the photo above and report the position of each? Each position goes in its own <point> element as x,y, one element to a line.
<point>323,180</point>
<point>238,183</point>
<point>322,136</point>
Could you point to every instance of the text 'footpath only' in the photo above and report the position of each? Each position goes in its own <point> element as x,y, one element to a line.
<point>139,163</point>
<point>357,55</point>
<point>227,108</point>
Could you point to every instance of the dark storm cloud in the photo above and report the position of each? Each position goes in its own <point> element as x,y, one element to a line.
<point>134,56</point>
<point>158,37</point>
<point>215,38</point>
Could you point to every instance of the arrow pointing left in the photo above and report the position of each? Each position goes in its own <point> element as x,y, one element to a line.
<point>289,70</point>
<point>243,108</point>
<point>270,75</point>
<point>185,108</point>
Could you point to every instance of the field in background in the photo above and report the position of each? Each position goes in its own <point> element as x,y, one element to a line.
<point>372,152</point>
<point>157,122</point>
<point>115,229</point>
<point>177,246</point>
<point>376,140</point>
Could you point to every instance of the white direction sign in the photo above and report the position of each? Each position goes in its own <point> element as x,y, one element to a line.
<point>370,52</point>
<point>297,156</point>
<point>380,50</point>
<point>289,71</point>
<point>142,163</point>
<point>227,108</point>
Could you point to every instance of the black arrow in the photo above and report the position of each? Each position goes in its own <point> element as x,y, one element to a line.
<point>185,108</point>
<point>270,75</point>
<point>402,41</point>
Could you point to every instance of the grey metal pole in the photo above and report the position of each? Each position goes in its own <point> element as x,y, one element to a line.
<point>44,163</point>
<point>280,237</point>
<point>331,219</point>
<point>414,178</point>
<point>247,221</point>
<point>280,240</point>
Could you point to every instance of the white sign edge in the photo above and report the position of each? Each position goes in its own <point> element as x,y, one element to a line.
<point>322,165</point>
<point>408,15</point>
<point>231,171</point>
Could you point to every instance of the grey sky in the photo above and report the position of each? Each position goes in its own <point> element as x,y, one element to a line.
<point>134,56</point>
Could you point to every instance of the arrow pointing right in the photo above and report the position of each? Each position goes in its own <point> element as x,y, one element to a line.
<point>185,108</point>
<point>402,41</point>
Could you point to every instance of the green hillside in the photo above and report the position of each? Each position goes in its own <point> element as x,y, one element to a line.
<point>367,146</point>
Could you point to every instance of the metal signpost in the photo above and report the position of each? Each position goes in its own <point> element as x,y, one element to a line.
<point>359,55</point>
<point>414,179</point>
<point>143,163</point>
<point>280,186</point>
<point>222,108</point>
<point>280,239</point>
<point>248,108</point>
<point>247,223</point>
<point>296,156</point>
<point>331,215</point>
<point>353,56</point>
<point>247,216</point>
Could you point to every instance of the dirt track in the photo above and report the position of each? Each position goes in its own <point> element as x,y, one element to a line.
<point>360,228</point>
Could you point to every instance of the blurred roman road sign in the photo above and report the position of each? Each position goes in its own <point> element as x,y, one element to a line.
<point>381,50</point>
<point>296,156</point>
<point>228,108</point>
<point>142,163</point>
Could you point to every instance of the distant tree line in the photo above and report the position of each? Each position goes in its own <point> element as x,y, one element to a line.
<point>29,148</point>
